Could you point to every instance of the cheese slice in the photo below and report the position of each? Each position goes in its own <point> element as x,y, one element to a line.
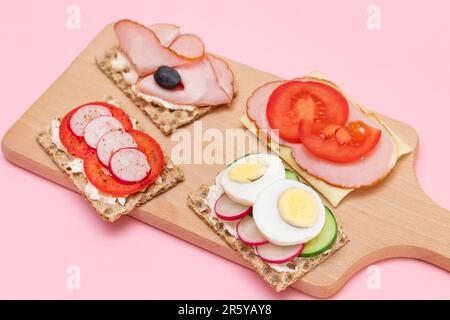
<point>333,194</point>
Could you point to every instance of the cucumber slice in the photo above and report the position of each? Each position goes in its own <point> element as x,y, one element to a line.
<point>290,175</point>
<point>324,240</point>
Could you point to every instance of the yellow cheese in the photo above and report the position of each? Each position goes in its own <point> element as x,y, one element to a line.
<point>333,194</point>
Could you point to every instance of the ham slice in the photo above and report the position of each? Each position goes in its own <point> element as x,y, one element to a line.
<point>166,32</point>
<point>256,110</point>
<point>224,74</point>
<point>356,174</point>
<point>201,86</point>
<point>143,48</point>
<point>188,46</point>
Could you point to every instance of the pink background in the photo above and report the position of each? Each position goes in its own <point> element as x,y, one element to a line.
<point>401,70</point>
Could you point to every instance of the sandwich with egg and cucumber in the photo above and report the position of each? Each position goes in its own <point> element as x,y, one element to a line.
<point>274,221</point>
<point>115,165</point>
<point>167,74</point>
<point>328,139</point>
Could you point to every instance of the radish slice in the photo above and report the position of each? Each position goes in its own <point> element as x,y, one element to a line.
<point>84,115</point>
<point>249,233</point>
<point>111,142</point>
<point>223,73</point>
<point>226,209</point>
<point>98,127</point>
<point>129,165</point>
<point>278,254</point>
<point>188,46</point>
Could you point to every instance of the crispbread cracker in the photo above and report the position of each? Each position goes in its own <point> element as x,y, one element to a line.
<point>170,176</point>
<point>166,120</point>
<point>277,280</point>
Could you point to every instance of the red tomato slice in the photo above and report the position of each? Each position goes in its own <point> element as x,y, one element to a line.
<point>76,145</point>
<point>105,182</point>
<point>293,101</point>
<point>338,143</point>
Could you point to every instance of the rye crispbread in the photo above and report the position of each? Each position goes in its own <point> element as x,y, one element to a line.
<point>165,119</point>
<point>169,177</point>
<point>277,280</point>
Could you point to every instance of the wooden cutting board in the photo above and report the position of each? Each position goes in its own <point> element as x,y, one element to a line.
<point>393,219</point>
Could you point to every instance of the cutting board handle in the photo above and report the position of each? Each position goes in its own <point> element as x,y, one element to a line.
<point>431,242</point>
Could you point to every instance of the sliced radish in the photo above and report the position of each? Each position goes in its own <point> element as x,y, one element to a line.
<point>129,165</point>
<point>84,115</point>
<point>111,142</point>
<point>226,209</point>
<point>98,127</point>
<point>249,233</point>
<point>278,254</point>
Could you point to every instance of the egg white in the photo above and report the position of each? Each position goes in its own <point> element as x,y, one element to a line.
<point>246,193</point>
<point>272,225</point>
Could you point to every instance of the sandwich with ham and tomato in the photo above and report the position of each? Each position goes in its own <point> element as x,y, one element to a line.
<point>262,210</point>
<point>167,74</point>
<point>115,165</point>
<point>327,138</point>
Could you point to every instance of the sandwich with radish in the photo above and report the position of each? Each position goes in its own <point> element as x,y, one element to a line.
<point>167,74</point>
<point>275,221</point>
<point>115,165</point>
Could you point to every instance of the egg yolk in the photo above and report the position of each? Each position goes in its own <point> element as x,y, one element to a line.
<point>298,208</point>
<point>246,172</point>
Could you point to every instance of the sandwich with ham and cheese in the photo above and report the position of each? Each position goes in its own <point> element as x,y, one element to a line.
<point>328,139</point>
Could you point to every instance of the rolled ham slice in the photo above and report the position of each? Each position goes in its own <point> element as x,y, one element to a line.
<point>355,174</point>
<point>188,46</point>
<point>166,32</point>
<point>200,86</point>
<point>143,48</point>
<point>257,107</point>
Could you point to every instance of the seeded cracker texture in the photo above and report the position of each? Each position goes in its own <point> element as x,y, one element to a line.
<point>170,176</point>
<point>277,280</point>
<point>166,120</point>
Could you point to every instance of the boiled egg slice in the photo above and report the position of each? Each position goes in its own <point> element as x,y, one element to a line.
<point>244,179</point>
<point>289,212</point>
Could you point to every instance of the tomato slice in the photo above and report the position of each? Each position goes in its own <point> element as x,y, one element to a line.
<point>293,101</point>
<point>117,113</point>
<point>339,143</point>
<point>104,181</point>
<point>76,145</point>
